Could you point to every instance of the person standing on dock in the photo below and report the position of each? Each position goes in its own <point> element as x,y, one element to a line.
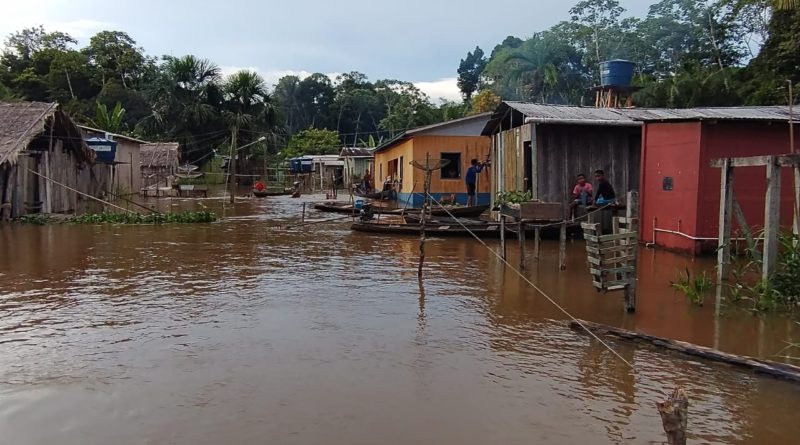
<point>605,194</point>
<point>471,179</point>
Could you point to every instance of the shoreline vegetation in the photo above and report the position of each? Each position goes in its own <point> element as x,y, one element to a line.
<point>122,218</point>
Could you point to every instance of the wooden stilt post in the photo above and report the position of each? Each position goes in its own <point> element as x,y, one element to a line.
<point>725,221</point>
<point>303,217</point>
<point>425,208</point>
<point>502,236</point>
<point>521,237</point>
<point>562,246</point>
<point>772,210</point>
<point>632,216</point>
<point>537,242</point>
<point>674,416</point>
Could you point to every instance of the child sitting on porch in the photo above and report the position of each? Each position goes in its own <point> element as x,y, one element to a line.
<point>581,194</point>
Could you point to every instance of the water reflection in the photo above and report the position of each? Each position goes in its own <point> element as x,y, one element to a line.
<point>237,331</point>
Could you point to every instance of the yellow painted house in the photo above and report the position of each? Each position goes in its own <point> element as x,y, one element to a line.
<point>458,141</point>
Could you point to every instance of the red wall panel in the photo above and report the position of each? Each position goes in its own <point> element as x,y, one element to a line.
<point>670,150</point>
<point>735,139</point>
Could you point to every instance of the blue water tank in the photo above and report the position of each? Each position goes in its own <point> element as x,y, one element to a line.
<point>105,149</point>
<point>616,72</point>
<point>294,165</point>
<point>303,164</point>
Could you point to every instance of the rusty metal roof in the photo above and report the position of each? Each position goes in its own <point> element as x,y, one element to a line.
<point>575,115</point>
<point>356,152</point>
<point>758,113</point>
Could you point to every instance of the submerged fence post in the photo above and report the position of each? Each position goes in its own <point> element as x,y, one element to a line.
<point>725,221</point>
<point>503,237</point>
<point>521,237</point>
<point>772,210</point>
<point>562,246</point>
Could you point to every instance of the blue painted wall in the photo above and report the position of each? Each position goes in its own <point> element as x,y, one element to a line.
<point>416,200</point>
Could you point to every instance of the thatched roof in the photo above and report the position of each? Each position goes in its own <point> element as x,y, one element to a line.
<point>22,122</point>
<point>160,154</point>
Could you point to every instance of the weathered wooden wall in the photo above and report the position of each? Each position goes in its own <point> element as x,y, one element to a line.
<point>25,192</point>
<point>563,151</point>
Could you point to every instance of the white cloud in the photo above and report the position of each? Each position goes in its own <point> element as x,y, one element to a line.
<point>446,89</point>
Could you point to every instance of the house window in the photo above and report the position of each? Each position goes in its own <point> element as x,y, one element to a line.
<point>453,169</point>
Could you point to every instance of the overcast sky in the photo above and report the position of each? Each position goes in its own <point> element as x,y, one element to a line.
<point>415,40</point>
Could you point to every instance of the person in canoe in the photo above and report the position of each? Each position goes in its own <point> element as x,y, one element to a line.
<point>259,186</point>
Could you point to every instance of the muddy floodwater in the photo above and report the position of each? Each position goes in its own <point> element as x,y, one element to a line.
<point>241,332</point>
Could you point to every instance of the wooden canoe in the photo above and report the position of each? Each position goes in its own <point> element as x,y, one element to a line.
<point>345,208</point>
<point>488,230</point>
<point>267,192</point>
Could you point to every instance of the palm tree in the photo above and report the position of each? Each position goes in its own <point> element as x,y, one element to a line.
<point>186,100</point>
<point>248,111</point>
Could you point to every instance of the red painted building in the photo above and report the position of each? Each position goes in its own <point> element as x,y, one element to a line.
<point>680,191</point>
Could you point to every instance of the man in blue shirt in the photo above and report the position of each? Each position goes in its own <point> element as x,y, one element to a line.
<point>471,179</point>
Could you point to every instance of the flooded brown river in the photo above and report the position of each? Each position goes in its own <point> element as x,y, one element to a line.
<point>238,332</point>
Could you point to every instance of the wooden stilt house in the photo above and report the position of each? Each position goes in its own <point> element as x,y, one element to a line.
<point>45,165</point>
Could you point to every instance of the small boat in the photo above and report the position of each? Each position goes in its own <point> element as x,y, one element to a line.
<point>270,192</point>
<point>481,229</point>
<point>386,194</point>
<point>345,208</point>
<point>460,212</point>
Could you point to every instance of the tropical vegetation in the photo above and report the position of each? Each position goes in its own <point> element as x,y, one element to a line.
<point>687,53</point>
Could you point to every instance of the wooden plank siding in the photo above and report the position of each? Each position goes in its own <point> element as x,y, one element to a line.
<point>563,151</point>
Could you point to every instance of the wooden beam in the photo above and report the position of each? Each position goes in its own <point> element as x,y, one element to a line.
<point>537,242</point>
<point>725,222</point>
<point>757,161</point>
<point>502,237</point>
<point>562,247</point>
<point>772,215</point>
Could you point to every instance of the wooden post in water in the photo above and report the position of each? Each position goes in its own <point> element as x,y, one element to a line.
<point>303,216</point>
<point>537,242</point>
<point>562,246</point>
<point>674,416</point>
<point>503,237</point>
<point>725,221</point>
<point>632,217</point>
<point>521,237</point>
<point>772,210</point>
<point>425,206</point>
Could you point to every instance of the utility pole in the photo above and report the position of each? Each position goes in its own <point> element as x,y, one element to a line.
<point>232,166</point>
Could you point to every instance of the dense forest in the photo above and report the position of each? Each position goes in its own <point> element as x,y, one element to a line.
<point>688,53</point>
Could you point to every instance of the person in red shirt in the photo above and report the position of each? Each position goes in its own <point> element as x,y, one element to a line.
<point>581,194</point>
<point>259,186</point>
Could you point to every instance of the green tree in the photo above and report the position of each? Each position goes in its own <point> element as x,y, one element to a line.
<point>469,72</point>
<point>485,101</point>
<point>406,106</point>
<point>313,141</point>
<point>116,56</point>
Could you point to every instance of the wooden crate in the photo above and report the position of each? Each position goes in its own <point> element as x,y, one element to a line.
<point>611,258</point>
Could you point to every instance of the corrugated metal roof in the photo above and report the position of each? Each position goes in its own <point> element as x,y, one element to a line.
<point>356,152</point>
<point>421,130</point>
<point>566,114</point>
<point>760,113</point>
